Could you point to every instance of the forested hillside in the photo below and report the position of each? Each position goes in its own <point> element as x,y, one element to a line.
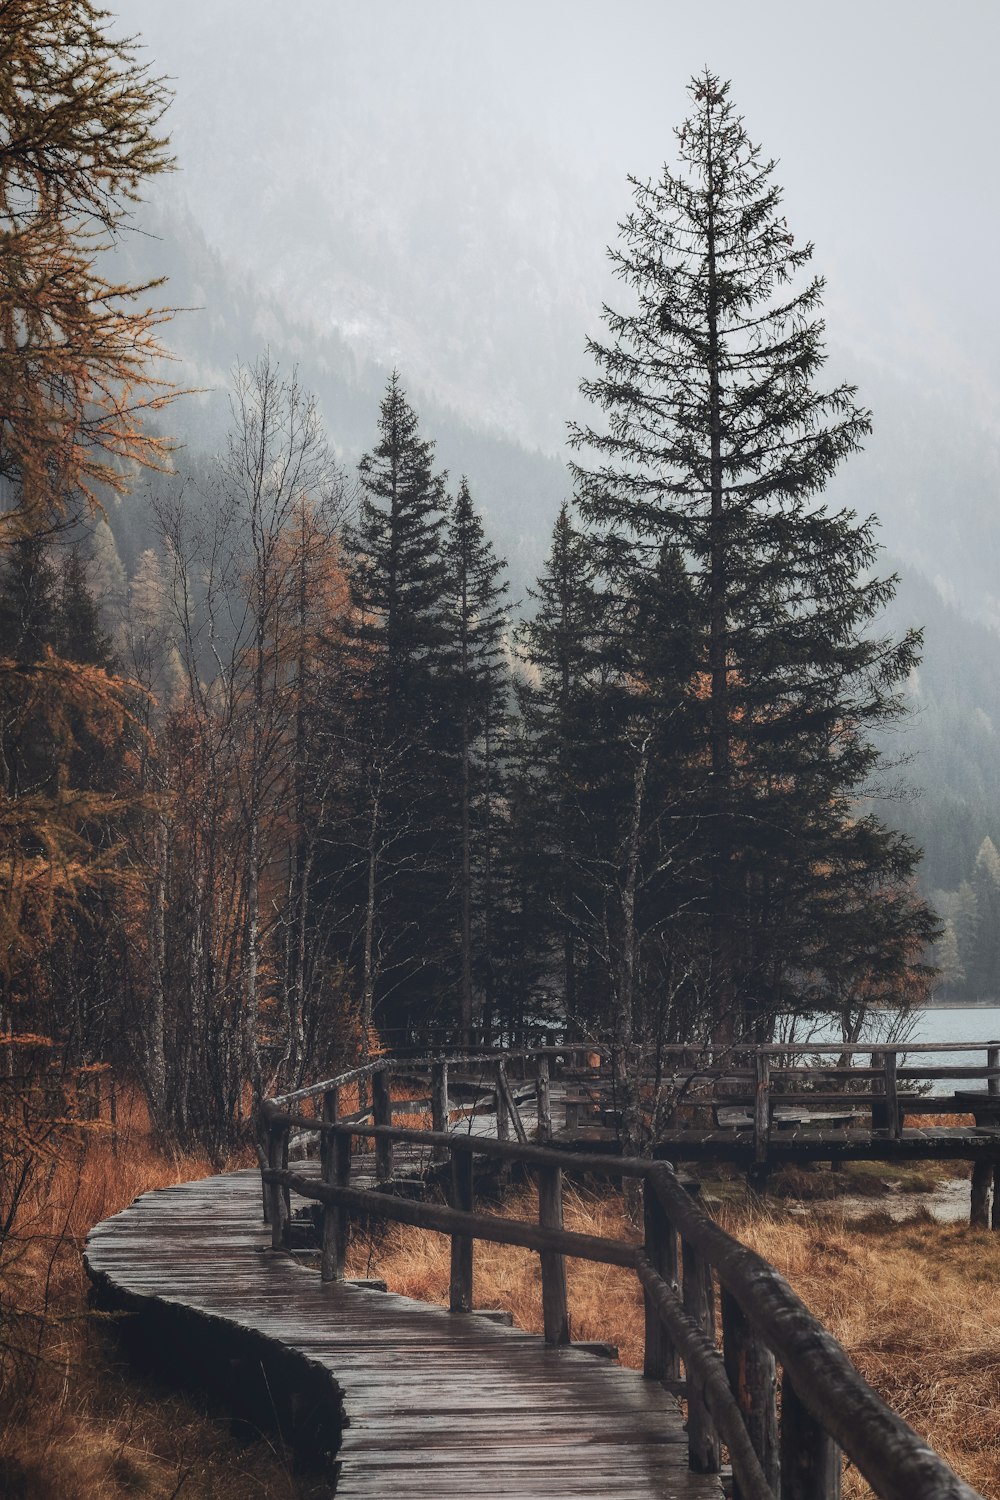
<point>922,462</point>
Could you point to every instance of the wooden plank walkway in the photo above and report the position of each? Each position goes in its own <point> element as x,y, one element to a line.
<point>434,1403</point>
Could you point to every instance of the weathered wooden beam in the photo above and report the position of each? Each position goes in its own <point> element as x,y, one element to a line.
<point>480,1226</point>
<point>660,1358</point>
<point>810,1459</point>
<point>555,1298</point>
<point>331,1263</point>
<point>463,1196</point>
<point>762,1108</point>
<point>704,1450</point>
<point>703,1360</point>
<point>513,1114</point>
<point>607,1166</point>
<point>278,1201</point>
<point>893,1117</point>
<point>880,1115</point>
<point>439,1106</point>
<point>753,1379</point>
<point>896,1462</point>
<point>382,1110</point>
<point>979,1208</point>
<point>542,1099</point>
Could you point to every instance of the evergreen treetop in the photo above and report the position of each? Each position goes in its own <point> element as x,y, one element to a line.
<point>717,440</point>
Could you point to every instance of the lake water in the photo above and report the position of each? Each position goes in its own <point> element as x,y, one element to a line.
<point>952,1024</point>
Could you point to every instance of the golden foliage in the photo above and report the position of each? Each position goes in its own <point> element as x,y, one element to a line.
<point>78,119</point>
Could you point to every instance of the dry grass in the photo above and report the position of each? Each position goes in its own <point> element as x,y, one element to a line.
<point>914,1305</point>
<point>76,1422</point>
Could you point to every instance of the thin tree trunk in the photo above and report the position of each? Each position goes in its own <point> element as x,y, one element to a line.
<point>723,977</point>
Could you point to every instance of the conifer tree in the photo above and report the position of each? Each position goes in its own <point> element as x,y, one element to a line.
<point>967,925</point>
<point>476,688</point>
<point>394,855</point>
<point>984,975</point>
<point>716,440</point>
<point>559,645</point>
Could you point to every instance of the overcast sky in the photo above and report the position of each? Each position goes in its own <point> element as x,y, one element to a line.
<point>883,114</point>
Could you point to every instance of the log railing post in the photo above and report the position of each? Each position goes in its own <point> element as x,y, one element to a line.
<point>753,1381</point>
<point>513,1113</point>
<point>762,1108</point>
<point>382,1109</point>
<point>439,1106</point>
<point>880,1115</point>
<point>893,1115</point>
<point>979,1211</point>
<point>810,1459</point>
<point>327,1169</point>
<point>279,1205</point>
<point>500,1094</point>
<point>660,1359</point>
<point>337,1170</point>
<point>462,1245</point>
<point>555,1301</point>
<point>542,1097</point>
<point>704,1448</point>
<point>993,1089</point>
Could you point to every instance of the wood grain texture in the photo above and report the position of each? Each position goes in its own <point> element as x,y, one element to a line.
<point>435,1403</point>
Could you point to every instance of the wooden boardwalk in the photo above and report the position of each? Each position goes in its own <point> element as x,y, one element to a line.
<point>432,1403</point>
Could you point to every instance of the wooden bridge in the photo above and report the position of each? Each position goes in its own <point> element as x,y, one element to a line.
<point>421,1401</point>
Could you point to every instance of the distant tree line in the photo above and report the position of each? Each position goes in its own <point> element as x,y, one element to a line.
<point>968,949</point>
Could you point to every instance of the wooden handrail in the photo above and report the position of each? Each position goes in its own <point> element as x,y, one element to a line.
<point>895,1461</point>
<point>436,1216</point>
<point>826,1403</point>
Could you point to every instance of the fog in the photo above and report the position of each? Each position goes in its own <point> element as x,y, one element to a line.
<point>433,186</point>
<point>438,179</point>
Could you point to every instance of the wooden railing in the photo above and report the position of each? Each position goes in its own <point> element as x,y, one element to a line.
<point>766,1078</point>
<point>825,1405</point>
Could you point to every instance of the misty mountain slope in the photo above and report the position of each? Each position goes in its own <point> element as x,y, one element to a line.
<point>930,473</point>
<point>950,744</point>
<point>931,487</point>
<point>431,247</point>
<point>436,186</point>
<point>226,317</point>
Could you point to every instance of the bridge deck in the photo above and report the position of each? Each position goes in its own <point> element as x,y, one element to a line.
<point>434,1403</point>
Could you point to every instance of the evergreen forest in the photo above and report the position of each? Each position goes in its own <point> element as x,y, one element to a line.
<point>307,779</point>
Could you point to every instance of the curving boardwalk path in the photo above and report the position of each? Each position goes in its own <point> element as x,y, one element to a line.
<point>431,1403</point>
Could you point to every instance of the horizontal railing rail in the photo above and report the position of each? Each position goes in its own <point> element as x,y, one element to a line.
<point>687,1265</point>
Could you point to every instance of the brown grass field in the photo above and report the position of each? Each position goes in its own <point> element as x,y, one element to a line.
<point>76,1422</point>
<point>914,1304</point>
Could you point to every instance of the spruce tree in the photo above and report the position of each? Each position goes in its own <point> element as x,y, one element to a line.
<point>985,975</point>
<point>716,441</point>
<point>476,685</point>
<point>396,873</point>
<point>559,645</point>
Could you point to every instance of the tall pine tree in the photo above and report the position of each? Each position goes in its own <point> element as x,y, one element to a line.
<point>559,645</point>
<point>477,687</point>
<point>715,443</point>
<point>394,853</point>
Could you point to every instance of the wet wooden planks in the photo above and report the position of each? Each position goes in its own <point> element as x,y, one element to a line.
<point>435,1403</point>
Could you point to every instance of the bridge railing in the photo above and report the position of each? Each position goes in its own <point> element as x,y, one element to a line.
<point>683,1262</point>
